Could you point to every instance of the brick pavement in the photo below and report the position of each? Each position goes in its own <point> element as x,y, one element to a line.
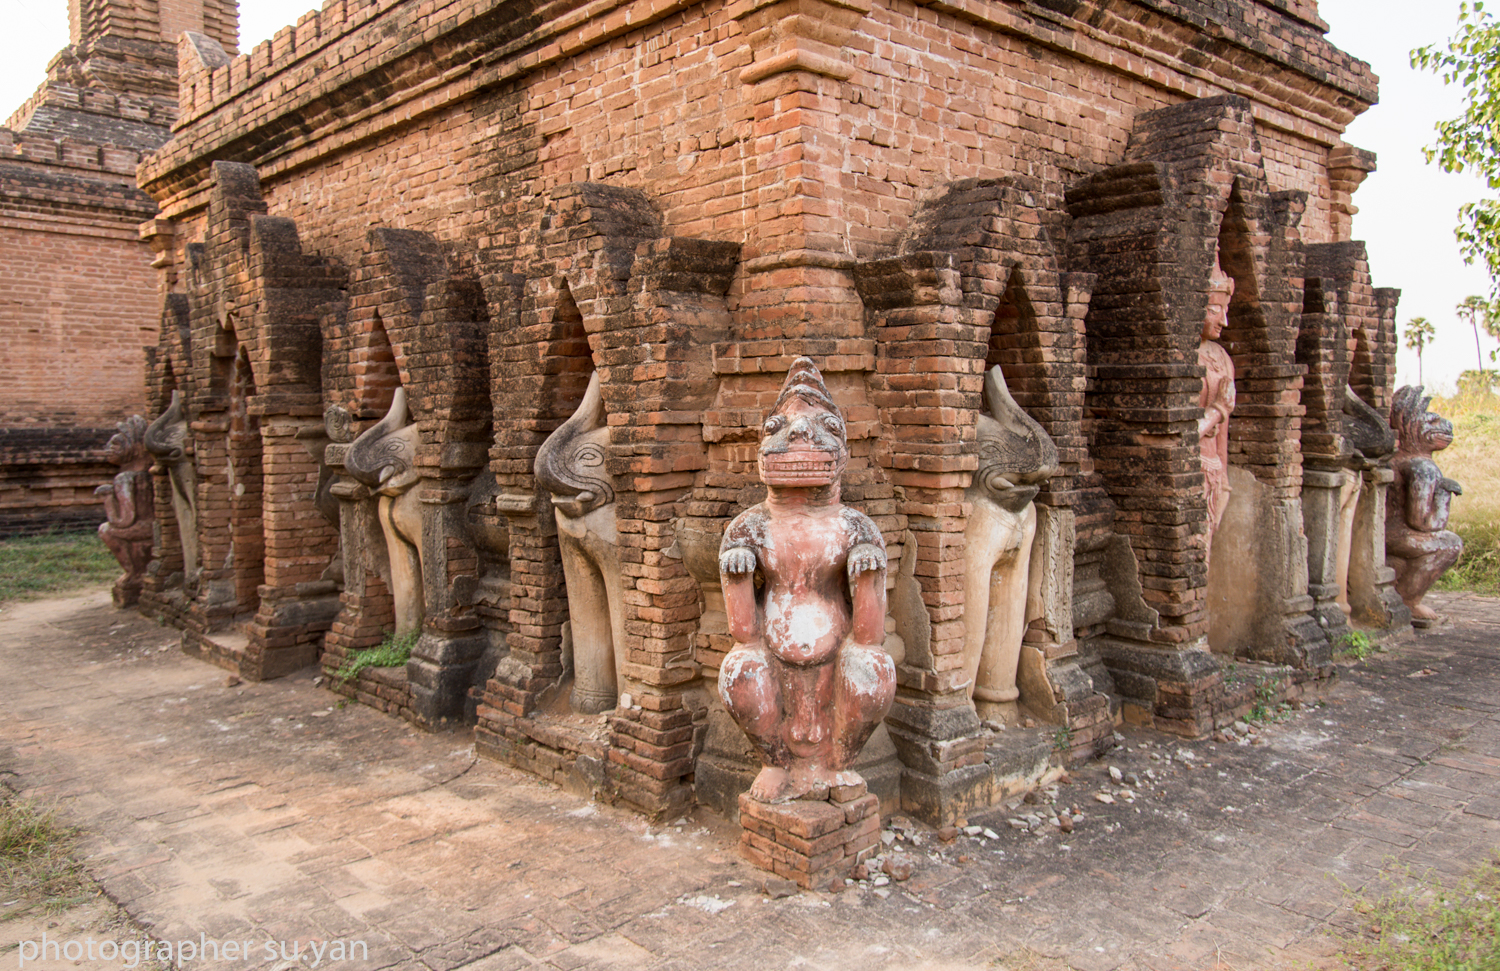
<point>264,812</point>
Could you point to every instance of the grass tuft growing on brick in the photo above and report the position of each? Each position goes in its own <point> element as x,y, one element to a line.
<point>35,566</point>
<point>392,653</point>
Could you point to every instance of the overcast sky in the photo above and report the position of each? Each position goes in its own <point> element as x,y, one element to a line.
<point>1407,208</point>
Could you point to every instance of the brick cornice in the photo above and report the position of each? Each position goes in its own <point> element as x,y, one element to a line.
<point>1294,78</point>
<point>326,86</point>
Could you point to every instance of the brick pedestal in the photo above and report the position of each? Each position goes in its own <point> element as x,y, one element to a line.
<point>813,843</point>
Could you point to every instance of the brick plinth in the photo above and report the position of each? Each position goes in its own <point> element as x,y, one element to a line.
<point>384,689</point>
<point>564,753</point>
<point>812,843</point>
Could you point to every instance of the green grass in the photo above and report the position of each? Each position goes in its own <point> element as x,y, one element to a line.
<point>1474,460</point>
<point>1355,644</point>
<point>35,566</point>
<point>392,653</point>
<point>1266,707</point>
<point>36,865</point>
<point>1422,926</point>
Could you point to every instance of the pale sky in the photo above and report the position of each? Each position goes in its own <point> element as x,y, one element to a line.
<point>1407,208</point>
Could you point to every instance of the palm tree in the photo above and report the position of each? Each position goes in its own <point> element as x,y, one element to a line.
<point>1419,333</point>
<point>1471,310</point>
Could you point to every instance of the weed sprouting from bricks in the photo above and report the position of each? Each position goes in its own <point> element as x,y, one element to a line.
<point>392,652</point>
<point>1356,644</point>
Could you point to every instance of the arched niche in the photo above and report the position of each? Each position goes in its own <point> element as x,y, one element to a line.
<point>246,485</point>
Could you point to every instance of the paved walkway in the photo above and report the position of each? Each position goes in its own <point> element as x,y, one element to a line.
<point>266,813</point>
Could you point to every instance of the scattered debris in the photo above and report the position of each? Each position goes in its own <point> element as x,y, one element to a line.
<point>710,904</point>
<point>773,887</point>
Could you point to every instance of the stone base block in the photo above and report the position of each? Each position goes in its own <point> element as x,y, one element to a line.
<point>226,649</point>
<point>441,672</point>
<point>126,592</point>
<point>942,800</point>
<point>815,844</point>
<point>1174,690</point>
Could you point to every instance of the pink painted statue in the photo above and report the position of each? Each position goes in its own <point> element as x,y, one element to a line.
<point>1216,400</point>
<point>804,587</point>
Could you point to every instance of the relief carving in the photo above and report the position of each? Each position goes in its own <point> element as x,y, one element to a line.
<point>1217,402</point>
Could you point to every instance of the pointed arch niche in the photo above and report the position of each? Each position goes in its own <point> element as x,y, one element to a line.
<point>246,486</point>
<point>1258,606</point>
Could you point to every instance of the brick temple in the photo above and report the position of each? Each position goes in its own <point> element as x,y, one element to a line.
<point>474,309</point>
<point>81,296</point>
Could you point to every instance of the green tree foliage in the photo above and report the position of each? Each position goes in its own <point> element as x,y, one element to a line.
<point>1419,333</point>
<point>1471,142</point>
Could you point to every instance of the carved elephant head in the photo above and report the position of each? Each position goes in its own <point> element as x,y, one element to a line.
<point>384,457</point>
<point>1365,429</point>
<point>570,463</point>
<point>166,437</point>
<point>1016,456</point>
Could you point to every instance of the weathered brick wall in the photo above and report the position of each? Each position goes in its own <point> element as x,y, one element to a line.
<point>658,107</point>
<point>81,303</point>
<point>48,477</point>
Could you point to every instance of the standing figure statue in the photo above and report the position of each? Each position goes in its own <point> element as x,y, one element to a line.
<point>384,458</point>
<point>130,505</point>
<point>1016,457</point>
<point>1418,544</point>
<point>804,589</point>
<point>570,465</point>
<point>168,440</point>
<point>1217,402</point>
